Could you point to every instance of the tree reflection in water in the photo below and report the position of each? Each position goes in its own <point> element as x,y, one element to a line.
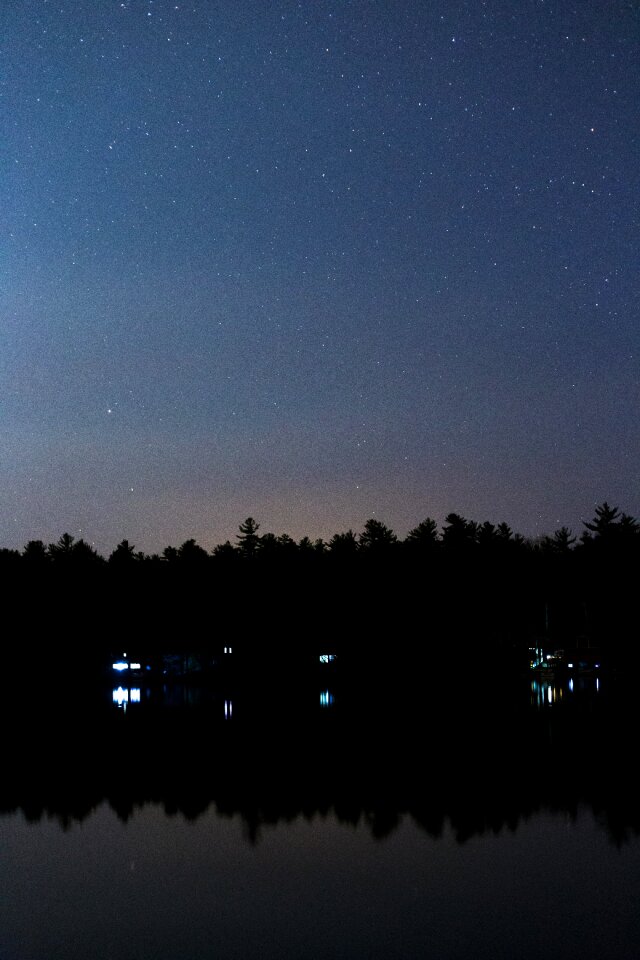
<point>476,760</point>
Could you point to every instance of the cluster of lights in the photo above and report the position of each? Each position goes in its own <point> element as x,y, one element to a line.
<point>121,665</point>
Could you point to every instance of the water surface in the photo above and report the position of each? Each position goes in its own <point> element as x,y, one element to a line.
<point>196,831</point>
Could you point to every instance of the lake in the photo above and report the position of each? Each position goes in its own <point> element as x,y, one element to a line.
<point>342,823</point>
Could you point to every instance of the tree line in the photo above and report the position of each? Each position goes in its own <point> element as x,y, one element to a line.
<point>466,593</point>
<point>611,531</point>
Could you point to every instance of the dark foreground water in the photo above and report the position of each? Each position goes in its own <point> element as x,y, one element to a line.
<point>455,827</point>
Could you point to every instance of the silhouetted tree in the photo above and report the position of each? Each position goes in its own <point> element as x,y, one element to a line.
<point>424,536</point>
<point>287,543</point>
<point>604,523</point>
<point>35,553</point>
<point>343,545</point>
<point>268,546</point>
<point>487,535</point>
<point>83,553</point>
<point>377,536</point>
<point>305,546</point>
<point>248,539</point>
<point>308,549</point>
<point>63,548</point>
<point>629,526</point>
<point>192,553</point>
<point>459,534</point>
<point>69,551</point>
<point>504,532</point>
<point>225,552</point>
<point>124,554</point>
<point>560,543</point>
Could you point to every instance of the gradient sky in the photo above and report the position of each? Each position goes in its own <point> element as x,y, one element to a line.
<point>316,262</point>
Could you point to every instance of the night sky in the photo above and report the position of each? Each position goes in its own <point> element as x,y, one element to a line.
<point>316,262</point>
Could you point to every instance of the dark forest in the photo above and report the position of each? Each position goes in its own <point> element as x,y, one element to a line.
<point>468,594</point>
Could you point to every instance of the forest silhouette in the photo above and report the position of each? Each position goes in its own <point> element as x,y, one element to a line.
<point>466,595</point>
<point>433,717</point>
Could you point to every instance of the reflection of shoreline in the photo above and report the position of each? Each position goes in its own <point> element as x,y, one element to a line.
<point>545,691</point>
<point>475,765</point>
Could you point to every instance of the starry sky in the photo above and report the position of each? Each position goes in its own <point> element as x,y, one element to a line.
<point>316,262</point>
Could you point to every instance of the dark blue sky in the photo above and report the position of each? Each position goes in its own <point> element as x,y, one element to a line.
<point>316,262</point>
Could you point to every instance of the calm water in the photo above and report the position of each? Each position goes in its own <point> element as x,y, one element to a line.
<point>448,832</point>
